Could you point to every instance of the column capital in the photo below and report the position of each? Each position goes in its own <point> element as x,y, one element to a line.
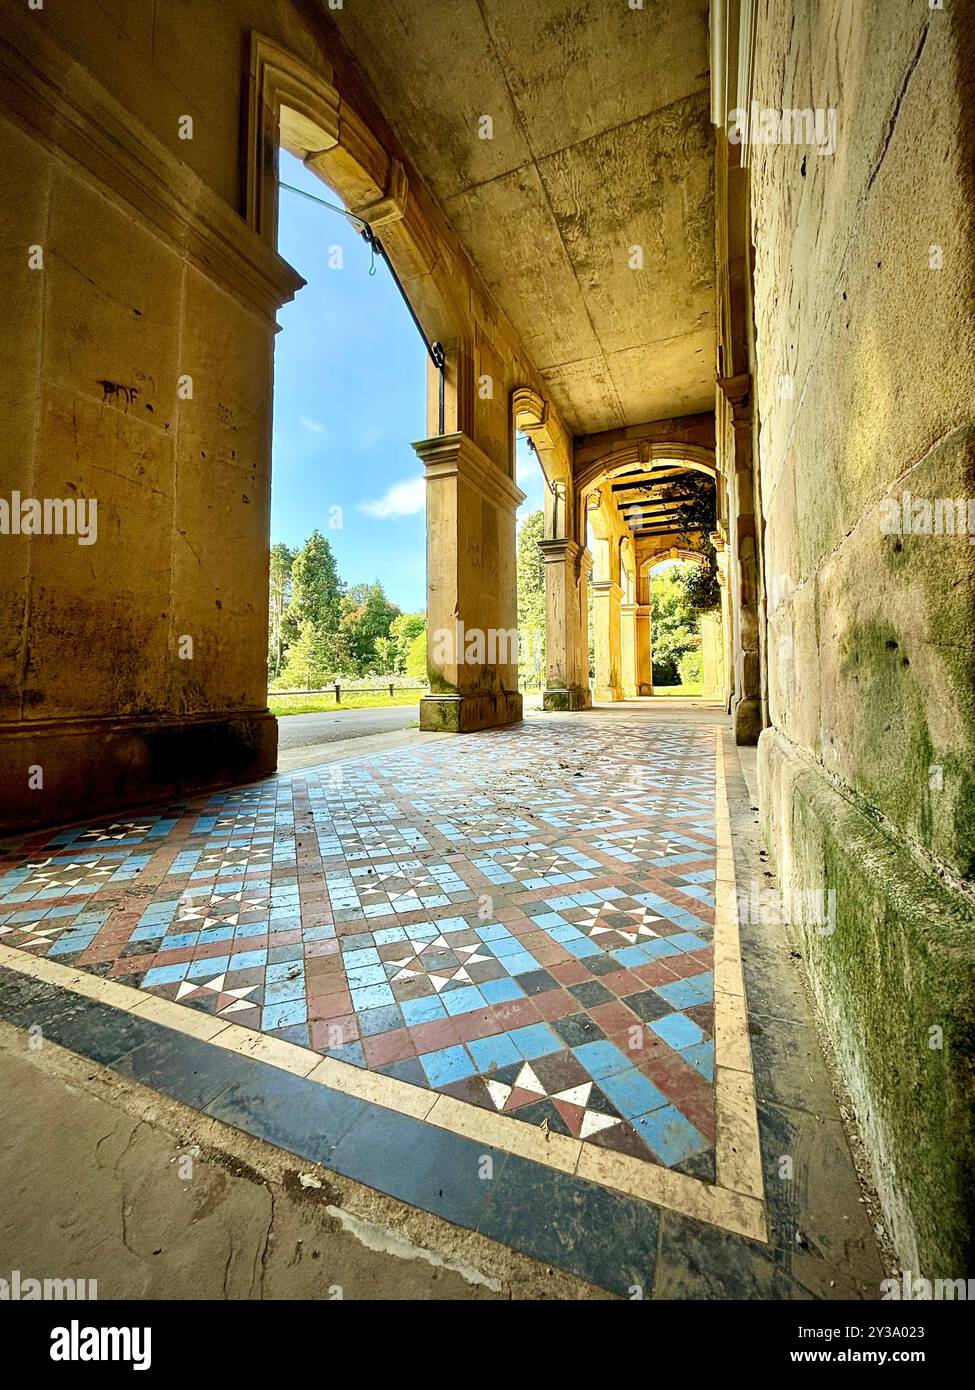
<point>457,456</point>
<point>559,549</point>
<point>737,392</point>
<point>607,587</point>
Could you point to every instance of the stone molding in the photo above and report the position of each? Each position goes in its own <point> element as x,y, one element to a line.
<point>457,456</point>
<point>70,113</point>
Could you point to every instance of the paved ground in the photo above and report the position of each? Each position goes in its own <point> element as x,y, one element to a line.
<point>474,975</point>
<point>303,730</point>
<point>153,1200</point>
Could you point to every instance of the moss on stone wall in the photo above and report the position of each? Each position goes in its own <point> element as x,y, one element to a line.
<point>895,985</point>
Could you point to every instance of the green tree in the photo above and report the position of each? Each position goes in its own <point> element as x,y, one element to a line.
<point>308,665</point>
<point>316,590</point>
<point>416,657</point>
<point>386,657</point>
<point>366,616</point>
<point>695,509</point>
<point>676,626</point>
<point>531,598</point>
<point>282,560</point>
<point>403,630</point>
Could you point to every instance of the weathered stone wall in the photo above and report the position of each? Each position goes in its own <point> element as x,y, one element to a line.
<point>144,275</point>
<point>866,386</point>
<point>151,272</point>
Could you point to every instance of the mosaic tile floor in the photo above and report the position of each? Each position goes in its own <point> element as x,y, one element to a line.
<point>521,919</point>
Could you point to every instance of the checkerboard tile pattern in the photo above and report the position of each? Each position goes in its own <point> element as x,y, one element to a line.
<point>521,919</point>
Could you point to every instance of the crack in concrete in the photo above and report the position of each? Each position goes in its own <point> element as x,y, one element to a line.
<point>386,1242</point>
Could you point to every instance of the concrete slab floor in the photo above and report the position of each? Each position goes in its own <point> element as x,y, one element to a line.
<point>105,1179</point>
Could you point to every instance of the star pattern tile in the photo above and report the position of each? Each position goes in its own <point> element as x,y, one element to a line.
<point>521,919</point>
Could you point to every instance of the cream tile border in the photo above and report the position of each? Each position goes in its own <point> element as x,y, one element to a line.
<point>735,1202</point>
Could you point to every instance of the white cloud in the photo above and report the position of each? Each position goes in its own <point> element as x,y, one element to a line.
<point>312,425</point>
<point>402,499</point>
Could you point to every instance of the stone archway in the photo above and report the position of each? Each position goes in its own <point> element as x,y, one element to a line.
<point>468,457</point>
<point>566,560</point>
<point>622,490</point>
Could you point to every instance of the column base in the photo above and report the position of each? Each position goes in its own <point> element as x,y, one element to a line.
<point>747,720</point>
<point>464,714</point>
<point>646,688</point>
<point>93,766</point>
<point>603,694</point>
<point>576,697</point>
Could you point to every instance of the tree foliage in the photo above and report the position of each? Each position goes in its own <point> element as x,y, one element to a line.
<point>320,629</point>
<point>676,626</point>
<point>693,500</point>
<point>531,597</point>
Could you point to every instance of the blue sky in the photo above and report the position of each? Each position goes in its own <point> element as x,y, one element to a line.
<point>349,387</point>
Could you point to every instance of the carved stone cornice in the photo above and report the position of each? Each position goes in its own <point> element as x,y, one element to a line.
<point>457,456</point>
<point>63,107</point>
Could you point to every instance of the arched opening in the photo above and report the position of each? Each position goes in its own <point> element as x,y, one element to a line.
<point>347,610</point>
<point>650,509</point>
<point>552,575</point>
<point>348,559</point>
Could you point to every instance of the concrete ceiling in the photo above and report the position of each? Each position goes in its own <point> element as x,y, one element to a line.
<point>601,142</point>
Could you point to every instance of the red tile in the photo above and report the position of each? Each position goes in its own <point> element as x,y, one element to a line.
<point>684,966</point>
<point>614,1017</point>
<point>518,1014</point>
<point>622,983</point>
<point>554,1003</point>
<point>570,973</point>
<point>685,1087</point>
<point>330,1005</point>
<point>334,1032</point>
<point>656,972</point>
<point>315,950</point>
<point>479,1023</point>
<point>430,1037</point>
<point>388,1047</point>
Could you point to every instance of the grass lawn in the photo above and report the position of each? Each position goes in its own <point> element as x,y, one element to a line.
<point>324,701</point>
<point>685,692</point>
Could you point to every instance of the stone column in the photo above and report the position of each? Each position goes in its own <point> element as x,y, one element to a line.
<point>746,705</point>
<point>606,596</point>
<point>644,649</point>
<point>566,634</point>
<point>712,653</point>
<point>726,624</point>
<point>628,651</point>
<point>472,607</point>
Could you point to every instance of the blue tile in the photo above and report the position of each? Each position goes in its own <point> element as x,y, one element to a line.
<point>519,963</point>
<point>283,1014</point>
<point>498,1051</point>
<point>373,1021</point>
<point>677,1030</point>
<point>632,1093</point>
<point>246,960</point>
<point>372,997</point>
<point>670,1135</point>
<point>209,967</point>
<point>537,1040</point>
<point>449,1064</point>
<point>165,974</point>
<point>426,1010</point>
<point>682,994</point>
<point>701,1057</point>
<point>601,1059</point>
<point>283,970</point>
<point>281,991</point>
<point>501,991</point>
<point>463,1001</point>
